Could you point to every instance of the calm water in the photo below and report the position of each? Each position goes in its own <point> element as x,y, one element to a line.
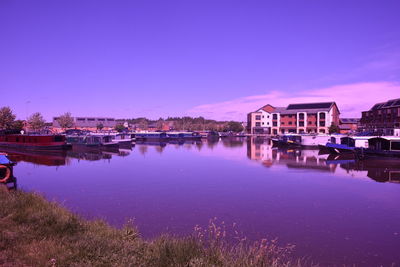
<point>335,210</point>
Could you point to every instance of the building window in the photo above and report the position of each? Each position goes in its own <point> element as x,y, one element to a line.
<point>301,116</point>
<point>258,117</point>
<point>110,119</point>
<point>282,123</point>
<point>267,123</point>
<point>81,119</point>
<point>258,124</point>
<point>91,119</point>
<point>274,116</point>
<point>322,115</point>
<point>301,123</point>
<point>101,119</point>
<point>262,123</point>
<point>322,123</point>
<point>290,123</point>
<point>263,116</point>
<point>268,116</point>
<point>274,123</point>
<point>310,123</point>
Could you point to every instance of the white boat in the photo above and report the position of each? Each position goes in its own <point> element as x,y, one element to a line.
<point>123,139</point>
<point>314,141</point>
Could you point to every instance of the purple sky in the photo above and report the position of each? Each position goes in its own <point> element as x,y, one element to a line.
<point>219,59</point>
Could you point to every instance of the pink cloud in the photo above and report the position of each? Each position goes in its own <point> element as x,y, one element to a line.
<point>351,99</point>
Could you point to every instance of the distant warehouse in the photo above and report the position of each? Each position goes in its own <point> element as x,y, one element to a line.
<point>89,123</point>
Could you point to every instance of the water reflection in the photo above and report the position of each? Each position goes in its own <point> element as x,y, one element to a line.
<point>386,170</point>
<point>262,150</point>
<point>47,158</point>
<point>258,149</point>
<point>379,170</point>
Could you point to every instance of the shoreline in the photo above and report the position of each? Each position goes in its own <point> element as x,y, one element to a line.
<point>36,232</point>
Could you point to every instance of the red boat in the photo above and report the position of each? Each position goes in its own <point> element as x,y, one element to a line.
<point>34,142</point>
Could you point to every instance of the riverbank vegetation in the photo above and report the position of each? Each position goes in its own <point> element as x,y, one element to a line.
<point>35,232</point>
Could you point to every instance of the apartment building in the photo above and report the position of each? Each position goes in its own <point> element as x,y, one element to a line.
<point>382,118</point>
<point>295,118</point>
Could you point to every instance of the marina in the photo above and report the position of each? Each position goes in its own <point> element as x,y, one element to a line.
<point>263,190</point>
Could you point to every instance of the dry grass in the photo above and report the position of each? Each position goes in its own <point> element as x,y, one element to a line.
<point>35,232</point>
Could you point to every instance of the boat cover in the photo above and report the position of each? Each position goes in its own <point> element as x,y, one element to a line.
<point>4,160</point>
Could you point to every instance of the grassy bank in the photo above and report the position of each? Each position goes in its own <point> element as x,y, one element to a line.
<point>35,232</point>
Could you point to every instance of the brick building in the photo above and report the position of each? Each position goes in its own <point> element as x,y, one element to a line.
<point>382,118</point>
<point>349,125</point>
<point>295,118</point>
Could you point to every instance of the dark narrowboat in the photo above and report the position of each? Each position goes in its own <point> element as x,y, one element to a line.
<point>381,147</point>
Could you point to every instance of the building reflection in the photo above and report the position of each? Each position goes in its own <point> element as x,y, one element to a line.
<point>261,149</point>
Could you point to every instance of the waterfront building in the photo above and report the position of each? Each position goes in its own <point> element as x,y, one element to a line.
<point>88,123</point>
<point>295,118</point>
<point>349,125</point>
<point>382,118</point>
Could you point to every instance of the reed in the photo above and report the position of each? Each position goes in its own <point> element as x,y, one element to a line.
<point>36,232</point>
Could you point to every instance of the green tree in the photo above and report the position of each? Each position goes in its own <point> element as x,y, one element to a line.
<point>159,124</point>
<point>36,122</point>
<point>66,121</point>
<point>6,118</point>
<point>100,126</point>
<point>18,125</point>
<point>143,124</point>
<point>119,127</point>
<point>233,126</point>
<point>334,129</point>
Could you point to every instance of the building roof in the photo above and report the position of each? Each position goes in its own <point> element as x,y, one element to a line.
<point>308,107</point>
<point>322,105</point>
<point>279,109</point>
<point>388,104</point>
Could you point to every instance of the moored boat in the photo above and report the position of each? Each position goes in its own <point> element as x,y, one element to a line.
<point>347,144</point>
<point>123,139</point>
<point>151,136</point>
<point>183,136</point>
<point>34,142</point>
<point>287,141</point>
<point>314,141</point>
<point>92,141</point>
<point>385,146</point>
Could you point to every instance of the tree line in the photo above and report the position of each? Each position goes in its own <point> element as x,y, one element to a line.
<point>186,123</point>
<point>36,122</point>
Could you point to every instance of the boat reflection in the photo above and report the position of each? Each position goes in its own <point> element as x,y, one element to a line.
<point>47,158</point>
<point>62,158</point>
<point>387,170</point>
